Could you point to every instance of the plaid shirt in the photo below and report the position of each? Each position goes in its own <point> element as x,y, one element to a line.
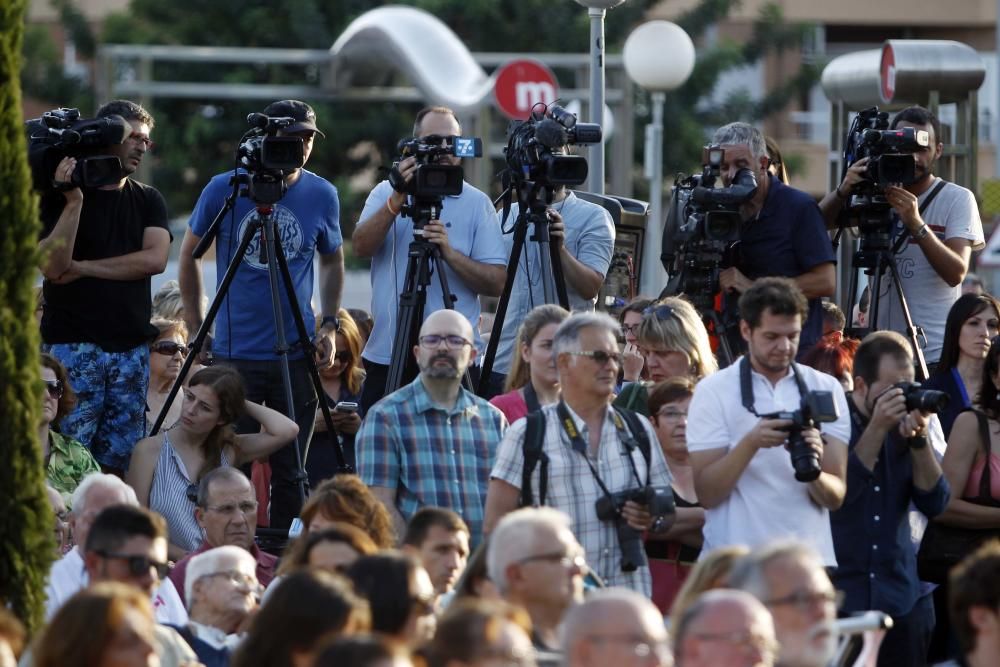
<point>573,489</point>
<point>430,455</point>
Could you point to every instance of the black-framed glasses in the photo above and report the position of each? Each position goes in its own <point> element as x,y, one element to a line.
<point>600,356</point>
<point>563,559</point>
<point>245,507</point>
<point>661,312</point>
<point>631,328</point>
<point>138,565</point>
<point>143,139</point>
<point>806,600</point>
<point>169,348</point>
<point>432,341</point>
<point>55,388</point>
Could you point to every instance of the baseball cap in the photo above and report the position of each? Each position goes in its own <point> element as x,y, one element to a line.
<point>300,111</point>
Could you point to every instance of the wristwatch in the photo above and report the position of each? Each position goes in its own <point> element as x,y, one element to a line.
<point>922,232</point>
<point>331,319</point>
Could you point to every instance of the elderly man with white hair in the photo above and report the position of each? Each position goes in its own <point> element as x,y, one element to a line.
<point>221,590</point>
<point>615,627</point>
<point>536,562</point>
<point>96,492</point>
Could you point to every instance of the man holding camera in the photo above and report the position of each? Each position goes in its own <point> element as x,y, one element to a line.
<point>743,418</point>
<point>99,247</point>
<point>941,227</point>
<point>468,240</point>
<point>889,465</point>
<point>592,464</point>
<point>308,221</point>
<point>782,232</point>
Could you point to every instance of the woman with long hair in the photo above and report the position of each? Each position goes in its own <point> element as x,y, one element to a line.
<point>533,380</point>
<point>67,461</point>
<point>166,356</point>
<point>346,499</point>
<point>973,322</point>
<point>166,468</point>
<point>630,317</point>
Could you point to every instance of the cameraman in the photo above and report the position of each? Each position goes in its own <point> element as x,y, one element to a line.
<point>889,465</point>
<point>942,227</point>
<point>99,248</point>
<point>782,232</point>
<point>743,475</point>
<point>468,237</point>
<point>588,450</point>
<point>308,220</point>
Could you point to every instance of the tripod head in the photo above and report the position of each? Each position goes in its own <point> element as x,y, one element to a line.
<point>422,210</point>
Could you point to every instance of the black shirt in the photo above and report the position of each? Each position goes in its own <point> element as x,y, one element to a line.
<point>113,314</point>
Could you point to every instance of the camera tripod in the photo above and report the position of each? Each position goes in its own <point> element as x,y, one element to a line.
<point>272,254</point>
<point>531,211</point>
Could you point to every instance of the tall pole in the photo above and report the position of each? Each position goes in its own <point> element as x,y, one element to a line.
<point>654,278</point>
<point>597,94</point>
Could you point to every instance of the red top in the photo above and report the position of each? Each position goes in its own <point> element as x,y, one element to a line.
<point>976,475</point>
<point>511,404</point>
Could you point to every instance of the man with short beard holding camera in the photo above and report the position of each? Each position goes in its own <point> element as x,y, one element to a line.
<point>890,464</point>
<point>747,429</point>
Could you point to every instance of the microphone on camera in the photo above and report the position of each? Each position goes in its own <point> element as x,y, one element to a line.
<point>550,133</point>
<point>258,120</point>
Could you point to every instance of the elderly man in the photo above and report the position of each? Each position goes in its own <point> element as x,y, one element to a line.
<point>615,627</point>
<point>432,441</point>
<point>536,562</point>
<point>96,492</point>
<point>440,541</point>
<point>227,512</point>
<point>221,590</point>
<point>789,579</point>
<point>724,628</point>
<point>590,451</point>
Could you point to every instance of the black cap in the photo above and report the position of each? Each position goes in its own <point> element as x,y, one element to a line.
<point>300,111</point>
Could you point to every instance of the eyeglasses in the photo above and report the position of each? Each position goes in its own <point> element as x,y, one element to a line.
<point>600,356</point>
<point>139,565</point>
<point>141,138</point>
<point>563,559</point>
<point>55,388</point>
<point>661,312</point>
<point>436,139</point>
<point>743,640</point>
<point>432,341</point>
<point>245,507</point>
<point>672,414</point>
<point>238,578</point>
<point>642,647</point>
<point>342,357</point>
<point>631,328</point>
<point>169,348</point>
<point>806,600</point>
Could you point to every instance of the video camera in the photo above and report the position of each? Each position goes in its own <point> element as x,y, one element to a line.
<point>817,407</point>
<point>62,133</point>
<point>658,500</point>
<point>269,158</point>
<point>702,223</point>
<point>535,148</point>
<point>431,179</point>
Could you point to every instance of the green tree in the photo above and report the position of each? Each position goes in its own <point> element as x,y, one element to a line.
<point>25,517</point>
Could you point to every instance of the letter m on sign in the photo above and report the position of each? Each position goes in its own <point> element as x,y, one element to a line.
<point>530,93</point>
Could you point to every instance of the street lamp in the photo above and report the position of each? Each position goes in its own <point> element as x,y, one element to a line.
<point>659,56</point>
<point>597,9</point>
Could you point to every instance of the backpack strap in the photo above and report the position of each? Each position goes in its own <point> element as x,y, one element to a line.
<point>985,493</point>
<point>635,427</point>
<point>531,449</point>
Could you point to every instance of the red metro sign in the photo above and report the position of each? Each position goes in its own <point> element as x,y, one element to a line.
<point>521,84</point>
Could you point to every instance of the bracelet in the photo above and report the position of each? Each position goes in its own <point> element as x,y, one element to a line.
<point>921,233</point>
<point>388,205</point>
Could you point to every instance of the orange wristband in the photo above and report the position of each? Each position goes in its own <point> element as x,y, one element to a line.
<point>388,205</point>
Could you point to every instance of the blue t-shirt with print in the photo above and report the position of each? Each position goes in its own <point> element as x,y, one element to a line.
<point>308,221</point>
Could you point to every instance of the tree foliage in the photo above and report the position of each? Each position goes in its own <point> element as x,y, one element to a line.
<point>26,520</point>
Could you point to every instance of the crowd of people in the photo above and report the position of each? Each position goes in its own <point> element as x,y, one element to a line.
<point>616,497</point>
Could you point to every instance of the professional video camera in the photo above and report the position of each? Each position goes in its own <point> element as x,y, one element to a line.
<point>536,147</point>
<point>62,133</point>
<point>432,179</point>
<point>889,152</point>
<point>702,223</point>
<point>658,500</point>
<point>269,158</point>
<point>817,407</point>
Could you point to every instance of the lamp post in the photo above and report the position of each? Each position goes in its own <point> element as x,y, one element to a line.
<point>596,9</point>
<point>659,56</point>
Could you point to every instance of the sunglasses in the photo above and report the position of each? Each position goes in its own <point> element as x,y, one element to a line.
<point>139,565</point>
<point>55,388</point>
<point>661,312</point>
<point>600,356</point>
<point>169,348</point>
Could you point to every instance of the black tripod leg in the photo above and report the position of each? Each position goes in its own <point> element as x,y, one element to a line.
<point>558,277</point>
<point>911,329</point>
<point>410,315</point>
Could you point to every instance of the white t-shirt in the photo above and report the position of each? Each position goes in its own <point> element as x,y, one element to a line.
<point>767,502</point>
<point>953,213</point>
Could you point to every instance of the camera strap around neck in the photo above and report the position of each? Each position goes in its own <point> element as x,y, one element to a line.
<point>903,234</point>
<point>746,384</point>
<point>579,445</point>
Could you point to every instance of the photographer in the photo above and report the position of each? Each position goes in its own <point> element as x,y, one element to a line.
<point>890,463</point>
<point>99,248</point>
<point>742,472</point>
<point>589,451</point>
<point>782,232</point>
<point>308,219</point>
<point>941,223</point>
<point>468,237</point>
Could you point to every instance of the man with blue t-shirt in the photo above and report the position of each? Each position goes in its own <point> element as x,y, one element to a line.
<point>468,238</point>
<point>783,233</point>
<point>308,222</point>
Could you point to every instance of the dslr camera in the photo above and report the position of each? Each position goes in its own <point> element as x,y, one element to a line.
<point>702,224</point>
<point>62,133</point>
<point>925,400</point>
<point>268,158</point>
<point>817,407</point>
<point>536,147</point>
<point>658,500</point>
<point>432,180</point>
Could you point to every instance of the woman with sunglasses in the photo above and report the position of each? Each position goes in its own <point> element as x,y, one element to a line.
<point>674,343</point>
<point>166,356</point>
<point>166,468</point>
<point>67,461</point>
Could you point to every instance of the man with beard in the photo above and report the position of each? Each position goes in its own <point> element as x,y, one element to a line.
<point>431,442</point>
<point>742,474</point>
<point>940,222</point>
<point>790,580</point>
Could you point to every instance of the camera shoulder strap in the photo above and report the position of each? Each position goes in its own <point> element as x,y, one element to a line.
<point>579,446</point>
<point>531,398</point>
<point>531,449</point>
<point>903,235</point>
<point>746,384</point>
<point>639,436</point>
<point>930,197</point>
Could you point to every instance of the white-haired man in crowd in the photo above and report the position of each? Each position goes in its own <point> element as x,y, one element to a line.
<point>615,627</point>
<point>96,492</point>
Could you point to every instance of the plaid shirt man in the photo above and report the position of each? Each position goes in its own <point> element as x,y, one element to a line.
<point>429,455</point>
